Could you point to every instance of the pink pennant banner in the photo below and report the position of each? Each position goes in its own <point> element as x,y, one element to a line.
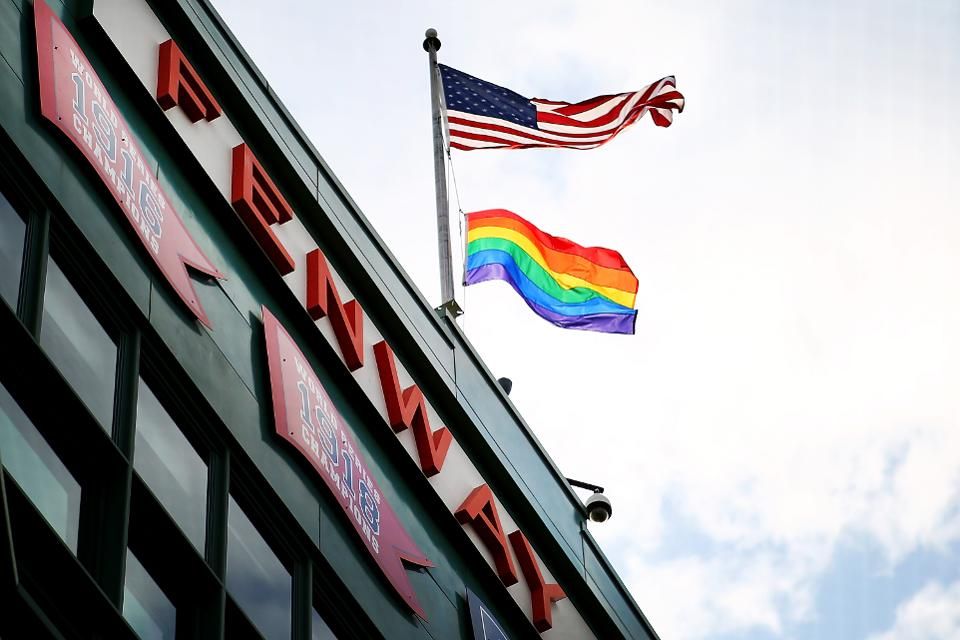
<point>73,98</point>
<point>305,417</point>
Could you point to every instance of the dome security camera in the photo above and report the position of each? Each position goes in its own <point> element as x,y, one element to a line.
<point>598,507</point>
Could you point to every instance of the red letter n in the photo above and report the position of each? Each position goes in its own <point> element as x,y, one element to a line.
<point>480,511</point>
<point>179,84</point>
<point>259,203</point>
<point>346,319</point>
<point>408,409</point>
<point>541,594</point>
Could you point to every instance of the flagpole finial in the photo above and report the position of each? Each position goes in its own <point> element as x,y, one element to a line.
<point>431,40</point>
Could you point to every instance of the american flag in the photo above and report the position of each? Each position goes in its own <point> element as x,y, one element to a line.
<point>482,115</point>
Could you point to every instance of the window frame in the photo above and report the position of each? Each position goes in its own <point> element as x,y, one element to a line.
<point>277,541</point>
<point>55,447</point>
<point>80,282</point>
<point>126,574</point>
<point>190,431</point>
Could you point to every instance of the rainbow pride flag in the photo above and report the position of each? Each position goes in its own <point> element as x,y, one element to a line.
<point>564,283</point>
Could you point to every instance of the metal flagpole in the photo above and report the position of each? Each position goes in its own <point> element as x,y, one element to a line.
<point>448,303</point>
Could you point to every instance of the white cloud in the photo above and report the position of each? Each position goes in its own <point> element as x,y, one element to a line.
<point>773,529</point>
<point>933,613</point>
<point>692,597</point>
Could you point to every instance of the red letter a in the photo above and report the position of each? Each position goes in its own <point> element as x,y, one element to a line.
<point>346,319</point>
<point>541,594</point>
<point>408,409</point>
<point>480,510</point>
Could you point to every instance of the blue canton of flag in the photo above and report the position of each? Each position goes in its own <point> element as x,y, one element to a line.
<point>465,93</point>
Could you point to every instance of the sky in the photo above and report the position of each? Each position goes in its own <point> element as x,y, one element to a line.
<point>781,438</point>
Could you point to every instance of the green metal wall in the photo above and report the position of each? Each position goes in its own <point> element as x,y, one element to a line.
<point>227,366</point>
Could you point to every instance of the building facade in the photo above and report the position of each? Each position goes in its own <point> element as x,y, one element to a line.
<point>225,410</point>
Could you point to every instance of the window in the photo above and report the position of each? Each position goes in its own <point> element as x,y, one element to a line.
<point>256,579</point>
<point>172,469</point>
<point>35,467</point>
<point>145,607</point>
<point>319,629</point>
<point>12,232</point>
<point>78,345</point>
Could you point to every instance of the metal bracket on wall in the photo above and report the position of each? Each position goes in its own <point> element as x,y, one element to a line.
<point>449,308</point>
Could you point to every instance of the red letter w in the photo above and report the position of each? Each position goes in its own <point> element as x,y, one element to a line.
<point>408,409</point>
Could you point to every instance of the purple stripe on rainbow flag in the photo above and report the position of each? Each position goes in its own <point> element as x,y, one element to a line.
<point>604,322</point>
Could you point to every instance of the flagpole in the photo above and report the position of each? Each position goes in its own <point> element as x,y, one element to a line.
<point>448,303</point>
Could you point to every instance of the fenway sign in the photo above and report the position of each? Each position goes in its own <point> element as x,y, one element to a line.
<point>303,415</point>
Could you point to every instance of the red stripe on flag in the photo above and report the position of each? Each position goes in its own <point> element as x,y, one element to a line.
<point>546,134</point>
<point>598,255</point>
<point>486,126</point>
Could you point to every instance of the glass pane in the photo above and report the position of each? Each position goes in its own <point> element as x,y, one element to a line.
<point>319,628</point>
<point>12,231</point>
<point>172,469</point>
<point>145,607</point>
<point>78,345</point>
<point>256,579</point>
<point>39,472</point>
